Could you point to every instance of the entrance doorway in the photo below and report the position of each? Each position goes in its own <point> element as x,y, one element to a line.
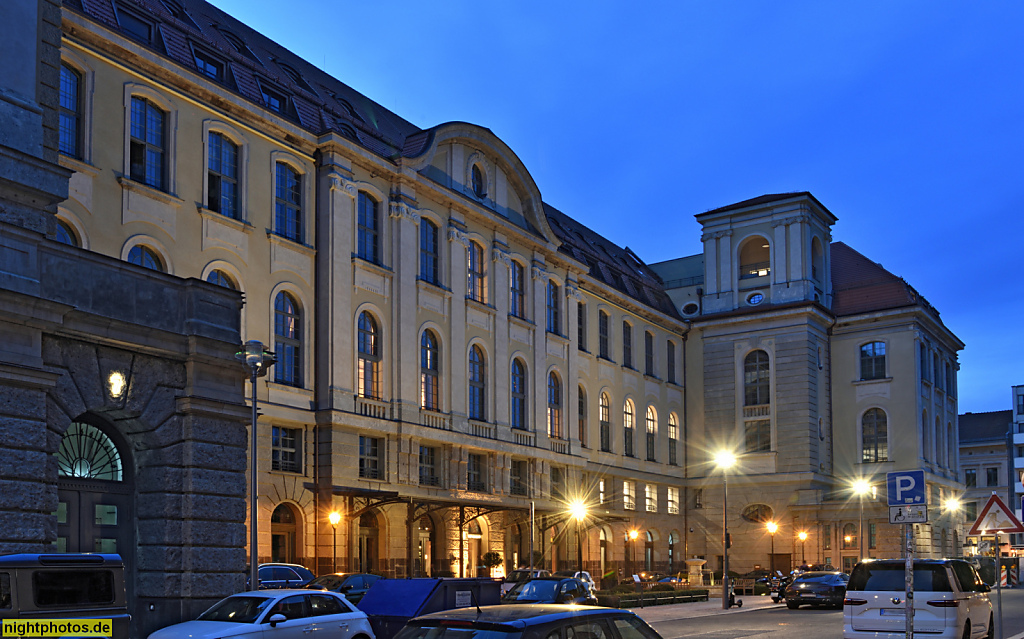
<point>366,553</point>
<point>284,534</point>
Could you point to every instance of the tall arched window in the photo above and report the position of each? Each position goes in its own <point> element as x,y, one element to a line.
<point>477,384</point>
<point>369,357</point>
<point>368,229</point>
<point>479,184</point>
<point>582,416</point>
<point>605,417</point>
<point>518,395</point>
<point>756,383</point>
<point>287,340</point>
<point>430,393</point>
<point>874,436</point>
<point>627,428</point>
<point>555,407</point>
<point>476,288</point>
<point>850,537</point>
<point>817,260</point>
<point>652,432</point>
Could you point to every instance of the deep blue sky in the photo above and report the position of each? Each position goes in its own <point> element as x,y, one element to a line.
<point>903,118</point>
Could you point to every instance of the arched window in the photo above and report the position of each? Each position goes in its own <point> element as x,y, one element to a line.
<point>756,383</point>
<point>755,258</point>
<point>287,340</point>
<point>652,432</point>
<point>87,453</point>
<point>65,235</point>
<point>627,427</point>
<point>429,368</point>
<point>369,357</point>
<point>479,184</point>
<point>582,415</point>
<point>605,417</point>
<point>145,257</point>
<point>368,229</point>
<point>649,552</point>
<point>673,439</point>
<point>476,277</point>
<point>850,537</point>
<point>872,360</point>
<point>429,252</point>
<point>518,395</point>
<point>477,384</point>
<point>555,407</point>
<point>284,535</point>
<point>220,278</point>
<point>874,436</point>
<point>288,202</point>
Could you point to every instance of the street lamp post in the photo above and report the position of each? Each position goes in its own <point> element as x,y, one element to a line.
<point>725,460</point>
<point>861,487</point>
<point>334,518</point>
<point>257,359</point>
<point>772,529</point>
<point>633,534</point>
<point>803,537</point>
<point>579,513</point>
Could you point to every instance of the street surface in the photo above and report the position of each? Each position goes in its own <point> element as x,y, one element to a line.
<point>779,622</point>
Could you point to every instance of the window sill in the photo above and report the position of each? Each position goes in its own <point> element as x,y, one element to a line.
<point>78,165</point>
<point>129,184</point>
<point>522,321</point>
<point>424,283</point>
<point>283,240</point>
<point>879,380</point>
<point>374,267</point>
<point>653,378</point>
<point>231,222</point>
<point>483,306</point>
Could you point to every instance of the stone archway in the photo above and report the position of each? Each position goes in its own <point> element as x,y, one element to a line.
<point>285,534</point>
<point>368,544</point>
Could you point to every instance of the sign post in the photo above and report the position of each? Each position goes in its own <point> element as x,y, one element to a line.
<point>907,504</point>
<point>995,518</point>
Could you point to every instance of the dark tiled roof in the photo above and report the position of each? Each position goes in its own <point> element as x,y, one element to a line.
<point>862,286</point>
<point>764,199</point>
<point>617,267</point>
<point>980,427</point>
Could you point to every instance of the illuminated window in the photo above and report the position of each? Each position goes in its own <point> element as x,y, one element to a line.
<point>369,357</point>
<point>429,379</point>
<point>518,395</point>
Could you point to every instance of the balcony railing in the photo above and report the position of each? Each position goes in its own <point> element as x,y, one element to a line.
<point>371,407</point>
<point>523,437</point>
<point>481,429</point>
<point>432,419</point>
<point>559,446</point>
<point>757,269</point>
<point>760,410</point>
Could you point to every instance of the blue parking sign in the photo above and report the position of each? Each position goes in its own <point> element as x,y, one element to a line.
<point>906,487</point>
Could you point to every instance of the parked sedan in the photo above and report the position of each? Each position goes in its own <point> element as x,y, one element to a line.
<point>523,574</point>
<point>275,614</point>
<point>529,622</point>
<point>817,588</point>
<point>550,590</point>
<point>352,585</point>
<point>283,576</point>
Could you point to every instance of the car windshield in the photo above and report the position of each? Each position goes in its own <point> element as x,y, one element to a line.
<point>891,577</point>
<point>243,609</point>
<point>330,582</point>
<point>537,590</point>
<point>455,632</point>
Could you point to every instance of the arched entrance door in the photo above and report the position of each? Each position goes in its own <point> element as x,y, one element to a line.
<point>366,553</point>
<point>284,535</point>
<point>425,548</point>
<point>474,549</point>
<point>94,495</point>
<point>649,552</point>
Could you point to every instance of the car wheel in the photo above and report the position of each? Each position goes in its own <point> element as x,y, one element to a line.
<point>967,630</point>
<point>792,605</point>
<point>776,600</point>
<point>991,629</point>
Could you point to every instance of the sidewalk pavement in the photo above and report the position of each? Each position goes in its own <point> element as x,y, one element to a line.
<point>713,606</point>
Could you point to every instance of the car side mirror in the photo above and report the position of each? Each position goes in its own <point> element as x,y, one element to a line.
<point>986,588</point>
<point>345,588</point>
<point>276,619</point>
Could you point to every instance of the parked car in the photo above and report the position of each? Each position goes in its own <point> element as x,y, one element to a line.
<point>529,622</point>
<point>83,586</point>
<point>523,574</point>
<point>582,575</point>
<point>352,585</point>
<point>274,614</point>
<point>551,590</point>
<point>950,600</point>
<point>817,588</point>
<point>283,576</point>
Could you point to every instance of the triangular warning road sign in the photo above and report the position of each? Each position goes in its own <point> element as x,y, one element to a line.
<point>996,517</point>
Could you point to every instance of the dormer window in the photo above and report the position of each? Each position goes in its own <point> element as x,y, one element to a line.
<point>208,65</point>
<point>294,76</point>
<point>135,27</point>
<point>479,184</point>
<point>237,43</point>
<point>274,100</point>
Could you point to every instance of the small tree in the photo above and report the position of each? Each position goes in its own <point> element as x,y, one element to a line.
<point>490,560</point>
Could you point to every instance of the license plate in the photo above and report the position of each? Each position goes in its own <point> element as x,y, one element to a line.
<point>774,593</point>
<point>807,594</point>
<point>893,612</point>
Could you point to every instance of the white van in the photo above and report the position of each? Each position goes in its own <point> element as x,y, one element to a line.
<point>950,600</point>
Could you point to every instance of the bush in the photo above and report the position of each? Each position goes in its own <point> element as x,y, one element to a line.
<point>662,588</point>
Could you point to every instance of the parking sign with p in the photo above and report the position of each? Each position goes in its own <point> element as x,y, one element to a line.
<point>906,487</point>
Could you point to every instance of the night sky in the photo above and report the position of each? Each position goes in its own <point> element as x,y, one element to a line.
<point>903,118</point>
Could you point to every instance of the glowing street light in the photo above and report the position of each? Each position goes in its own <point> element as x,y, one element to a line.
<point>725,460</point>
<point>802,536</point>
<point>772,529</point>
<point>578,510</point>
<point>633,534</point>
<point>860,487</point>
<point>334,518</point>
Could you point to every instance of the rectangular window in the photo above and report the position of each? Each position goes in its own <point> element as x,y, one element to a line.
<point>758,435</point>
<point>651,498</point>
<point>1020,403</point>
<point>554,322</point>
<point>428,467</point>
<point>826,537</point>
<point>670,363</point>
<point>222,175</point>
<point>368,229</point>
<point>971,511</point>
<point>581,326</point>
<point>135,27</point>
<point>872,360</point>
<point>517,291</point>
<point>557,483</point>
<point>698,498</point>
<point>627,345</point>
<point>872,535</point>
<point>627,442</point>
<point>70,109</point>
<point>602,334</point>
<point>581,415</point>
<point>971,477</point>
<point>209,66</point>
<point>288,202</point>
<point>475,272</point>
<point>274,100</point>
<point>286,449</point>
<point>476,473</point>
<point>673,437</point>
<point>429,252</point>
<point>672,502</point>
<point>923,353</point>
<point>519,478</point>
<point>991,477</point>
<point>600,491</point>
<point>628,495</point>
<point>649,354</point>
<point>147,149</point>
<point>371,451</point>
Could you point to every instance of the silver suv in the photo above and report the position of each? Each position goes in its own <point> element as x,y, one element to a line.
<point>950,600</point>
